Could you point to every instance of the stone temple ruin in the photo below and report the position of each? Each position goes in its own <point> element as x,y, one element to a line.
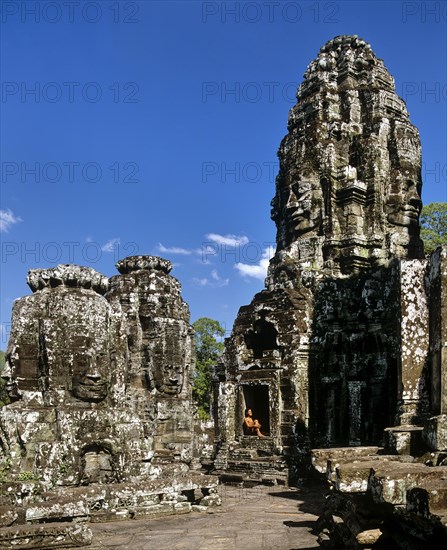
<point>341,358</point>
<point>100,426</point>
<point>344,349</point>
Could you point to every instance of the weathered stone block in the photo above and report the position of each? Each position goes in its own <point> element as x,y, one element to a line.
<point>404,440</point>
<point>435,433</point>
<point>53,535</point>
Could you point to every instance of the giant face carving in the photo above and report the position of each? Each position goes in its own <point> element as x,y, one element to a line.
<point>169,379</point>
<point>169,359</point>
<point>302,208</point>
<point>404,204</point>
<point>97,466</point>
<point>21,370</point>
<point>89,369</point>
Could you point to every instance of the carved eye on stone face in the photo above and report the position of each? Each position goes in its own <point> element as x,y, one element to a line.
<point>300,197</point>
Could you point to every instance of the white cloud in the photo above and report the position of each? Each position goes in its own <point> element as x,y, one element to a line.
<point>200,282</point>
<point>257,271</point>
<point>229,240</point>
<point>218,281</point>
<point>111,245</point>
<point>173,250</point>
<point>215,281</point>
<point>208,249</point>
<point>7,218</point>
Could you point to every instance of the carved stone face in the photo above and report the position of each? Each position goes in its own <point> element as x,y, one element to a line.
<point>97,467</point>
<point>20,372</point>
<point>9,377</point>
<point>404,206</point>
<point>89,372</point>
<point>303,208</point>
<point>170,379</point>
<point>169,360</point>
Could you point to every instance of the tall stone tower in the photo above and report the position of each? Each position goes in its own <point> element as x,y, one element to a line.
<point>348,190</point>
<point>316,354</point>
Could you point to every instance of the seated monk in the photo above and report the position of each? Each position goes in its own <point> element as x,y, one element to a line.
<point>251,425</point>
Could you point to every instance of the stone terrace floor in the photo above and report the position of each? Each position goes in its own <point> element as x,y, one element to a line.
<point>249,519</point>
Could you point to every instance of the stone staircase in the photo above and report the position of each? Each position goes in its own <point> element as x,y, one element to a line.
<point>251,461</point>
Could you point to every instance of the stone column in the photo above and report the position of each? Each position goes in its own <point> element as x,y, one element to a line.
<point>355,411</point>
<point>436,430</point>
<point>414,343</point>
<point>438,330</point>
<point>412,372</point>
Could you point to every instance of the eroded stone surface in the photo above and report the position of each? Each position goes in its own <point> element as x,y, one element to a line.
<point>348,189</point>
<point>99,375</point>
<point>346,343</point>
<point>392,499</point>
<point>316,354</point>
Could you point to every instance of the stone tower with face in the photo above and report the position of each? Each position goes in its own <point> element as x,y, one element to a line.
<point>160,349</point>
<point>316,352</point>
<point>60,345</point>
<point>348,189</point>
<point>99,375</point>
<point>159,337</point>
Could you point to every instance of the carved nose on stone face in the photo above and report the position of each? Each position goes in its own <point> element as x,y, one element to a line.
<point>412,195</point>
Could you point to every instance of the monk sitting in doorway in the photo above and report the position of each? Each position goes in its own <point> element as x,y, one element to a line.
<point>251,425</point>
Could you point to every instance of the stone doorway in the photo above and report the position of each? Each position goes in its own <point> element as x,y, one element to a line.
<point>256,398</point>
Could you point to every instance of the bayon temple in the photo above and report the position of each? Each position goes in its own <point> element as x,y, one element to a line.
<point>341,357</point>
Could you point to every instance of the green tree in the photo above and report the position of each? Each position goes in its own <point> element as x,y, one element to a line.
<point>434,225</point>
<point>208,350</point>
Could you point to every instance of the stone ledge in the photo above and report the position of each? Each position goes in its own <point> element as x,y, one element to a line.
<point>135,263</point>
<point>53,535</point>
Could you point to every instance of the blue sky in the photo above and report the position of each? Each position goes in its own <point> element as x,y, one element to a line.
<point>152,127</point>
